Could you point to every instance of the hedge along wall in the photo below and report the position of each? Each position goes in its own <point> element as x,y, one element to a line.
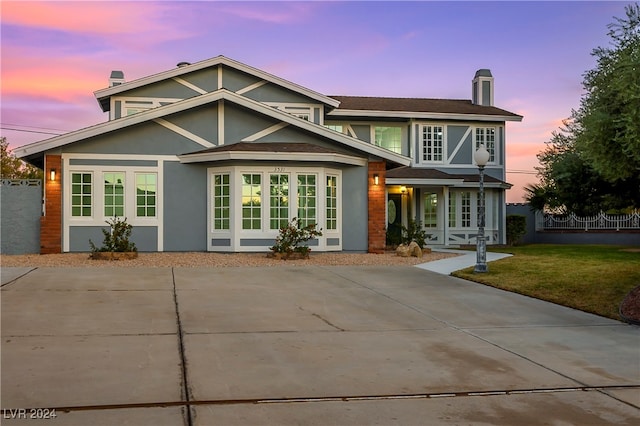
<point>20,211</point>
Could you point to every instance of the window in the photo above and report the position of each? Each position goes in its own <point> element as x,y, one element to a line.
<point>431,210</point>
<point>389,138</point>
<point>307,199</point>
<point>460,209</point>
<point>335,127</point>
<point>487,136</point>
<point>134,107</point>
<point>452,210</point>
<point>279,201</point>
<point>332,202</point>
<point>221,201</point>
<point>113,194</point>
<point>81,194</point>
<point>251,201</point>
<point>432,143</point>
<point>146,190</point>
<point>465,204</point>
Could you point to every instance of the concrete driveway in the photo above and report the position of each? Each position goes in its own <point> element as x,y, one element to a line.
<point>304,345</point>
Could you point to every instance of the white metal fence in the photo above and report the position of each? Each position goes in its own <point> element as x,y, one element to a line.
<point>601,221</point>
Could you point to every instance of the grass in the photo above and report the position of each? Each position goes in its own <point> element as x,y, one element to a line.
<point>591,278</point>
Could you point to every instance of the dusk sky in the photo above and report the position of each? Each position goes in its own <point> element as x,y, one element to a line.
<point>56,54</point>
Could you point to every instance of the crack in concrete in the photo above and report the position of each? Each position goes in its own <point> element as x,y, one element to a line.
<point>183,360</point>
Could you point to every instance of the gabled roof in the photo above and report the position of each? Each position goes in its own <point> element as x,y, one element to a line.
<point>36,149</point>
<point>366,106</point>
<point>103,95</point>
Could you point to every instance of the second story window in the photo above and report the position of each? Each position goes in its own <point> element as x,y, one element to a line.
<point>389,138</point>
<point>432,137</point>
<point>487,136</point>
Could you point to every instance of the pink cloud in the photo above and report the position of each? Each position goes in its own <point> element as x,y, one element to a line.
<point>273,13</point>
<point>134,22</point>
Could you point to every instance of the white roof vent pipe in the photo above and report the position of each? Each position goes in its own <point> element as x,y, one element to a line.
<point>183,64</point>
<point>116,78</point>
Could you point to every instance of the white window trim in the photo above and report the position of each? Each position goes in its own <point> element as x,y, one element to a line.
<point>155,103</point>
<point>236,233</point>
<point>394,125</point>
<point>496,144</point>
<point>97,209</point>
<point>421,144</point>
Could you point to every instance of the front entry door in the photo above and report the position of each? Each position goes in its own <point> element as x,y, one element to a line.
<point>394,219</point>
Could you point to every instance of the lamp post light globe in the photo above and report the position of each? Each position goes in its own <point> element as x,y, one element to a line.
<point>481,158</point>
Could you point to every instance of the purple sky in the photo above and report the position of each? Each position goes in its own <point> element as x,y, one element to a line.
<point>56,54</point>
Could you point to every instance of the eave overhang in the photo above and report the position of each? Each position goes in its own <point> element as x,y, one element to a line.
<point>272,156</point>
<point>103,95</point>
<point>407,115</point>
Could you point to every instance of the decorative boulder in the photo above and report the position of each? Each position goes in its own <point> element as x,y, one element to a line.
<point>402,251</point>
<point>415,250</point>
<point>426,250</point>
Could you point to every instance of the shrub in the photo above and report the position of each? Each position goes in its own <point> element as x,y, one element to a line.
<point>516,228</point>
<point>291,238</point>
<point>414,232</point>
<point>116,238</point>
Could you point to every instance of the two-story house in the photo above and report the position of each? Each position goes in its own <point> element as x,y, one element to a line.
<point>218,155</point>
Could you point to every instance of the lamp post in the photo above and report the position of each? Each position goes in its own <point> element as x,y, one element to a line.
<point>481,157</point>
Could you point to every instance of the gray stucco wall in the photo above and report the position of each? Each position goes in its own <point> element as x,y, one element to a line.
<point>240,123</point>
<point>144,237</point>
<point>20,212</point>
<point>354,209</point>
<point>185,207</point>
<point>150,138</point>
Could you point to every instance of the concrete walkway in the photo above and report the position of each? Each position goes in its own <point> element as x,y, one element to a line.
<point>465,259</point>
<point>304,345</point>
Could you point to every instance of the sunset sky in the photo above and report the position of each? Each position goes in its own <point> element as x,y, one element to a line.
<point>56,54</point>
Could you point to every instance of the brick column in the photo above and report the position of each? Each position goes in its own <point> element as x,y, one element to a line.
<point>377,207</point>
<point>51,222</point>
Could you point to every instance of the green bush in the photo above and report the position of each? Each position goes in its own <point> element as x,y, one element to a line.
<point>414,232</point>
<point>116,238</point>
<point>516,228</point>
<point>291,237</point>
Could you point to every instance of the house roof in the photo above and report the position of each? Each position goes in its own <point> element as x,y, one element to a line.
<point>103,95</point>
<point>419,108</point>
<point>35,150</point>
<point>272,151</point>
<point>417,175</point>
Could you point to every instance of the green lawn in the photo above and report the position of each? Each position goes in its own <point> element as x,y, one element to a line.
<point>592,278</point>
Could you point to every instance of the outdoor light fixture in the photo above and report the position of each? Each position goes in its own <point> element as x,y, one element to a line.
<point>52,174</point>
<point>376,179</point>
<point>481,158</point>
<point>403,189</point>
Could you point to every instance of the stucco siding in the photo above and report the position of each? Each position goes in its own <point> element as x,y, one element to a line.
<point>185,207</point>
<point>354,209</point>
<point>163,89</point>
<point>363,132</point>
<point>454,138</point>
<point>206,79</point>
<point>144,237</point>
<point>148,138</point>
<point>202,122</point>
<point>273,93</point>
<point>235,80</point>
<point>240,123</point>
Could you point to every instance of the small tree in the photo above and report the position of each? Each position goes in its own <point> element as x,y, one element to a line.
<point>12,167</point>
<point>116,238</point>
<point>516,228</point>
<point>293,236</point>
<point>414,232</point>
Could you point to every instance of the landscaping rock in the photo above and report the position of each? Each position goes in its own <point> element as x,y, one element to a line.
<point>415,250</point>
<point>402,251</point>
